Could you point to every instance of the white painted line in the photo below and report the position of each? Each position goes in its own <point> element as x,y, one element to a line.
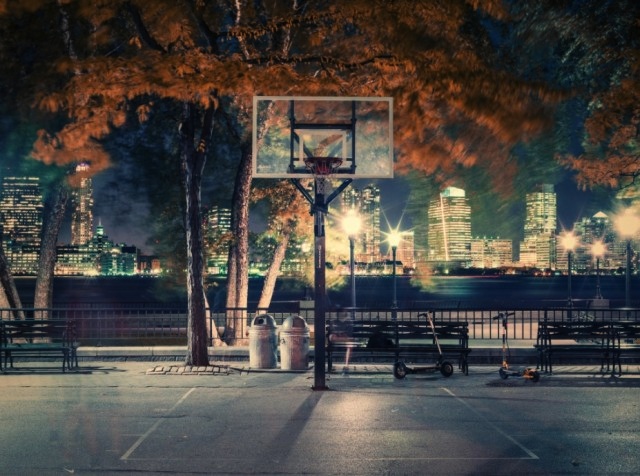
<point>153,428</point>
<point>531,454</point>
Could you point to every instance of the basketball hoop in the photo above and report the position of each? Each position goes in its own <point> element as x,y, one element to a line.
<point>322,167</point>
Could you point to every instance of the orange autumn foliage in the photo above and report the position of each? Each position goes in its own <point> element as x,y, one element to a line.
<point>452,106</point>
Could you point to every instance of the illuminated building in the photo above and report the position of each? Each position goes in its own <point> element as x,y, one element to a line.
<point>598,228</point>
<point>491,252</point>
<point>21,211</point>
<point>217,225</point>
<point>406,250</point>
<point>149,264</point>
<point>449,235</point>
<point>75,260</point>
<point>121,260</point>
<point>82,217</point>
<point>366,203</point>
<point>98,256</point>
<point>539,246</point>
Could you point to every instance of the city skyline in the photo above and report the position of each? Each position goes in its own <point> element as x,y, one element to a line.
<point>573,204</point>
<point>367,200</point>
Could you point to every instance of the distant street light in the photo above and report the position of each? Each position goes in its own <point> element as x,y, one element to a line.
<point>569,242</point>
<point>627,225</point>
<point>351,225</point>
<point>394,239</point>
<point>598,249</point>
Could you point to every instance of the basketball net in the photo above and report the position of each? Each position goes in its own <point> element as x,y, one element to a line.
<point>322,168</point>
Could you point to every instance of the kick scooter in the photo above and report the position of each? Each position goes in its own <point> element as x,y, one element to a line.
<point>400,369</point>
<point>505,371</point>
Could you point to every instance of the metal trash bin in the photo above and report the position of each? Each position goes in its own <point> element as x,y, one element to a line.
<point>294,344</point>
<point>263,344</point>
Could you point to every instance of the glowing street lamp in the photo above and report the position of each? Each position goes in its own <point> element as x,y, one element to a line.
<point>569,242</point>
<point>351,225</point>
<point>393,239</point>
<point>627,225</point>
<point>598,249</point>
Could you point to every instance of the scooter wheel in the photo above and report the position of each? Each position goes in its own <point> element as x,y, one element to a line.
<point>399,370</point>
<point>503,374</point>
<point>446,368</point>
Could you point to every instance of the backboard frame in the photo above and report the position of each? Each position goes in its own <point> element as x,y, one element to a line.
<point>281,140</point>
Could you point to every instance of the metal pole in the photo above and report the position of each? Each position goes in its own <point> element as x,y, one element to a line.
<point>319,321</point>
<point>569,281</point>
<point>394,304</point>
<point>627,289</point>
<point>353,275</point>
<point>598,290</point>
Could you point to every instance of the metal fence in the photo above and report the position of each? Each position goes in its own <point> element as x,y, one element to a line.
<point>121,326</point>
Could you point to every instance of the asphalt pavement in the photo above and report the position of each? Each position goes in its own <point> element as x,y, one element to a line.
<point>158,418</point>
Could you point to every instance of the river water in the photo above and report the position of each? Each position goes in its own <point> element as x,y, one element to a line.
<point>371,292</point>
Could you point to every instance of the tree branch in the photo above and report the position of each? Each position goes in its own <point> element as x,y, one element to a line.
<point>142,30</point>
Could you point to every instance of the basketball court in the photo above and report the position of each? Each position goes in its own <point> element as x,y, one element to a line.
<point>116,419</point>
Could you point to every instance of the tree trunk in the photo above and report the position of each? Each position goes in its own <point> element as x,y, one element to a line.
<point>193,161</point>
<point>43,296</point>
<point>238,276</point>
<point>212,329</point>
<point>274,269</point>
<point>9,298</point>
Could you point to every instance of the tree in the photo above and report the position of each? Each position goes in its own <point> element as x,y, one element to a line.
<point>287,214</point>
<point>590,48</point>
<point>611,154</point>
<point>454,107</point>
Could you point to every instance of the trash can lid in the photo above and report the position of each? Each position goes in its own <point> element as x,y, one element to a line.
<point>294,322</point>
<point>264,320</point>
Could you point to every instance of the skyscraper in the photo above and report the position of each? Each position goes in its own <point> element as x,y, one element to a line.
<point>598,228</point>
<point>449,219</point>
<point>21,210</point>
<point>82,218</point>
<point>491,252</point>
<point>539,246</point>
<point>406,250</point>
<point>217,223</point>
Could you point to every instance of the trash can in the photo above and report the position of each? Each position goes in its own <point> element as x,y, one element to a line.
<point>263,345</point>
<point>294,344</point>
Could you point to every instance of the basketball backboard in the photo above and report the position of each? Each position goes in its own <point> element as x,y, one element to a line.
<point>354,132</point>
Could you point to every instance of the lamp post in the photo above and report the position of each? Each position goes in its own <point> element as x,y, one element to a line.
<point>394,240</point>
<point>351,226</point>
<point>597,250</point>
<point>627,224</point>
<point>569,242</point>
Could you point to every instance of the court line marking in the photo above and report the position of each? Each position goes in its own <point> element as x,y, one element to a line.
<point>531,454</point>
<point>153,427</point>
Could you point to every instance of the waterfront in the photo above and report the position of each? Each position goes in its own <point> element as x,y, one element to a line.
<point>371,292</point>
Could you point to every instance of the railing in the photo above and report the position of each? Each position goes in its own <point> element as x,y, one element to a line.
<point>168,326</point>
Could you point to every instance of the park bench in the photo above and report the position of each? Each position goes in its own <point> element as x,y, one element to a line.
<point>579,340</point>
<point>399,340</point>
<point>38,338</point>
<point>627,342</point>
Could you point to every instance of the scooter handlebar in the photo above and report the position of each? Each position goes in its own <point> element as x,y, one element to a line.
<point>502,315</point>
<point>426,314</point>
